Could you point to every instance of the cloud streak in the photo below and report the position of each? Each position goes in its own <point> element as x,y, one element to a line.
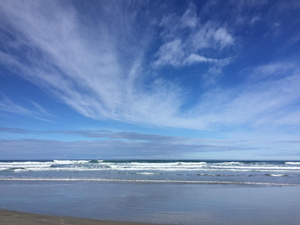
<point>108,144</point>
<point>185,40</point>
<point>32,109</point>
<point>113,145</point>
<point>99,69</point>
<point>89,77</point>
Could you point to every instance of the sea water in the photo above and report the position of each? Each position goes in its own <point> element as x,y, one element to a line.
<point>187,171</point>
<point>166,192</point>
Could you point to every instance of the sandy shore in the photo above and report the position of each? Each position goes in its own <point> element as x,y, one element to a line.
<point>16,218</point>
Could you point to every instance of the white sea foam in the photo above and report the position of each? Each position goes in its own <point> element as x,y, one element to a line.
<point>146,181</point>
<point>23,166</point>
<point>27,163</point>
<point>193,163</point>
<point>169,166</point>
<point>277,175</point>
<point>292,163</point>
<point>70,161</point>
<point>82,170</point>
<point>98,165</point>
<point>257,167</point>
<point>148,173</point>
<point>229,163</point>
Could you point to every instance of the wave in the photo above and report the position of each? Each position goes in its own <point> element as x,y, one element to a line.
<point>151,166</point>
<point>95,161</point>
<point>276,175</point>
<point>210,175</point>
<point>292,163</point>
<point>148,173</point>
<point>24,165</point>
<point>13,169</point>
<point>230,163</point>
<point>148,181</point>
<point>70,161</point>
<point>193,163</point>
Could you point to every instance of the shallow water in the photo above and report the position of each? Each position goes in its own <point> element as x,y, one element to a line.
<point>165,203</point>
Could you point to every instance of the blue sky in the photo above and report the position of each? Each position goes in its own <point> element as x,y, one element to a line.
<point>150,79</point>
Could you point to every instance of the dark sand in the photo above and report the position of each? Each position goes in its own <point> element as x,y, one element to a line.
<point>21,218</point>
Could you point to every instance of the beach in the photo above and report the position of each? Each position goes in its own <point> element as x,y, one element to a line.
<point>15,217</point>
<point>154,203</point>
<point>153,192</point>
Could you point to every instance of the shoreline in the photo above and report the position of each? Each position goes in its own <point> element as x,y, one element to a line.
<point>8,217</point>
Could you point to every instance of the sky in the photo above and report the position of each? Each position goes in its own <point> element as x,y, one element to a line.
<point>150,79</point>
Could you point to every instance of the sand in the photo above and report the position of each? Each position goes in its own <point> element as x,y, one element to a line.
<point>21,218</point>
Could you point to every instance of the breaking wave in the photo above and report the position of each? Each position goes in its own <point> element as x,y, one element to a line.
<point>186,170</point>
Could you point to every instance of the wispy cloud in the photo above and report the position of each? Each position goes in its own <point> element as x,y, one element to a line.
<point>121,144</point>
<point>187,41</point>
<point>14,130</point>
<point>32,109</point>
<point>114,145</point>
<point>101,69</point>
<point>126,136</point>
<point>273,70</point>
<point>88,73</point>
<point>262,103</point>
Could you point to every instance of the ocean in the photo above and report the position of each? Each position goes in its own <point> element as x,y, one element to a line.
<point>155,191</point>
<point>175,171</point>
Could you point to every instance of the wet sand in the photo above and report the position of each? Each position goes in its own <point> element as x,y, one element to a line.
<point>16,218</point>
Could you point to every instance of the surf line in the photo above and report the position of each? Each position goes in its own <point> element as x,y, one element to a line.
<point>147,181</point>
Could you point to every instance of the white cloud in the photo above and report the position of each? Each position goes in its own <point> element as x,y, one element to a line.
<point>257,104</point>
<point>32,109</point>
<point>112,145</point>
<point>189,18</point>
<point>171,53</point>
<point>194,58</point>
<point>254,20</point>
<point>211,36</point>
<point>223,38</point>
<point>98,69</point>
<point>90,74</point>
<point>133,145</point>
<point>186,40</point>
<point>272,70</point>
